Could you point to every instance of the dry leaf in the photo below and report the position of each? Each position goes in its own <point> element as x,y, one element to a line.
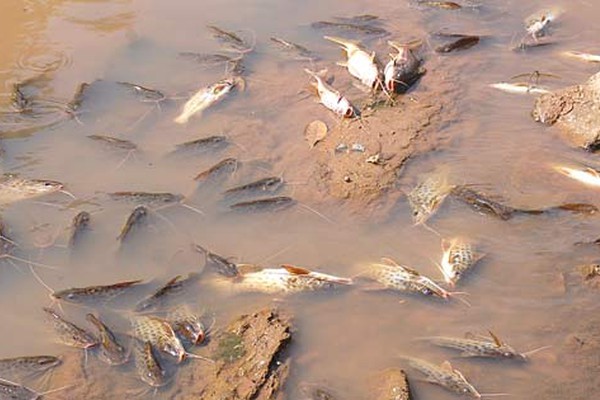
<point>315,132</point>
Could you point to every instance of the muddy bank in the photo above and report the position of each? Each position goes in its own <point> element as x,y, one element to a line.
<point>391,384</point>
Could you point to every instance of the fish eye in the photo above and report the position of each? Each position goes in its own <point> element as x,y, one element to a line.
<point>349,112</point>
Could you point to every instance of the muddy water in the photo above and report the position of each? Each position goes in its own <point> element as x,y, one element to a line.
<point>342,338</point>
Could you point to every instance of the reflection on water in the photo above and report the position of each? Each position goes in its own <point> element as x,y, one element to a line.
<point>517,290</point>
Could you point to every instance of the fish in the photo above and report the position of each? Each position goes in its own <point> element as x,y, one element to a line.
<point>6,244</point>
<point>147,198</point>
<point>229,38</point>
<point>13,188</point>
<point>114,142</point>
<point>28,365</point>
<point>93,293</point>
<point>587,176</point>
<point>519,88</point>
<point>265,185</point>
<point>277,203</point>
<point>219,263</point>
<point>331,98</point>
<point>287,279</point>
<point>205,98</point>
<point>226,165</point>
<point>360,64</point>
<point>75,103</point>
<point>582,56</point>
<point>203,144</point>
<point>445,376</point>
<point>394,276</point>
<point>20,102</point>
<point>444,5</point>
<point>80,224</point>
<point>146,93</point>
<point>482,203</point>
<point>471,347</point>
<point>459,256</point>
<point>354,27</point>
<point>13,391</point>
<point>187,324</point>
<point>427,196</point>
<point>403,69</point>
<point>138,214</point>
<point>537,24</point>
<point>462,43</point>
<point>159,333</point>
<point>206,59</point>
<point>297,51</point>
<point>110,351</point>
<point>147,365</point>
<point>174,286</point>
<point>70,334</point>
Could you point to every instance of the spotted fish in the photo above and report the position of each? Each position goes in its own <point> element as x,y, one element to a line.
<point>147,365</point>
<point>472,347</point>
<point>93,293</point>
<point>459,256</point>
<point>159,333</point>
<point>69,333</point>
<point>427,196</point>
<point>14,188</point>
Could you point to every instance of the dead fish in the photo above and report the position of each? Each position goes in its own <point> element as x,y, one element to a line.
<point>93,293</point>
<point>14,188</point>
<point>265,185</point>
<point>577,208</point>
<point>277,203</point>
<point>427,196</point>
<point>482,203</point>
<point>228,165</point>
<point>459,256</point>
<point>444,5</point>
<point>229,38</point>
<point>220,264</point>
<point>28,365</point>
<point>147,94</point>
<point>78,97</point>
<point>147,198</point>
<point>331,98</point>
<point>78,227</point>
<point>295,50</point>
<point>203,144</point>
<point>345,26</point>
<point>537,24</point>
<point>401,278</point>
<point>175,286</point>
<point>70,334</point>
<point>147,365</point>
<point>471,347</point>
<point>360,64</point>
<point>159,333</point>
<point>138,214</point>
<point>587,176</point>
<point>287,279</point>
<point>206,97</point>
<point>114,142</point>
<point>403,69</point>
<point>519,88</point>
<point>187,324</point>
<point>463,43</point>
<point>582,56</point>
<point>206,59</point>
<point>445,376</point>
<point>111,352</point>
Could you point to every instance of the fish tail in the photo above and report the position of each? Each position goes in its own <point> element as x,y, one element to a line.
<point>182,119</point>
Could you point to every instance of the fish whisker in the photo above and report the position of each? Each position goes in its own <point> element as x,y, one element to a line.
<point>530,352</point>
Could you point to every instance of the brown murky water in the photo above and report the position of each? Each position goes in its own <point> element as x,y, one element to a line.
<point>342,337</point>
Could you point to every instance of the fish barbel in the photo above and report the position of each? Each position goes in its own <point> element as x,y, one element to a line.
<point>146,364</point>
<point>111,351</point>
<point>331,98</point>
<point>471,347</point>
<point>519,88</point>
<point>587,176</point>
<point>206,97</point>
<point>69,333</point>
<point>14,188</point>
<point>28,365</point>
<point>445,376</point>
<point>459,256</point>
<point>89,293</point>
<point>403,69</point>
<point>187,324</point>
<point>285,280</point>
<point>159,333</point>
<point>427,196</point>
<point>360,64</point>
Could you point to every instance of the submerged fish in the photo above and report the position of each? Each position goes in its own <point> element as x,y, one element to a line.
<point>229,38</point>
<point>206,97</point>
<point>70,334</point>
<point>354,27</point>
<point>482,203</point>
<point>399,277</point>
<point>331,98</point>
<point>146,364</point>
<point>28,365</point>
<point>587,176</point>
<point>295,50</point>
<point>147,198</point>
<point>462,43</point>
<point>14,188</point>
<point>471,347</point>
<point>13,391</point>
<point>203,144</point>
<point>111,351</point>
<point>427,196</point>
<point>277,203</point>
<point>187,324</point>
<point>114,142</point>
<point>173,287</point>
<point>78,97</point>
<point>78,226</point>
<point>459,256</point>
<point>445,376</point>
<point>220,264</point>
<point>159,333</point>
<point>138,214</point>
<point>264,185</point>
<point>582,56</point>
<point>360,64</point>
<point>20,102</point>
<point>93,293</point>
<point>519,88</point>
<point>6,244</point>
<point>403,69</point>
<point>225,165</point>
<point>287,279</point>
<point>206,59</point>
<point>146,93</point>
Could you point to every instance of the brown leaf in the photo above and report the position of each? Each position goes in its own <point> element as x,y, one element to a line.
<point>315,132</point>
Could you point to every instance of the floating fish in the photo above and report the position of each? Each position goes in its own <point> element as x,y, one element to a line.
<point>403,69</point>
<point>14,188</point>
<point>111,351</point>
<point>228,165</point>
<point>519,88</point>
<point>587,176</point>
<point>277,203</point>
<point>582,56</point>
<point>264,185</point>
<point>203,144</point>
<point>444,5</point>
<point>159,333</point>
<point>459,256</point>
<point>295,50</point>
<point>147,198</point>
<point>206,97</point>
<point>173,287</point>
<point>471,347</point>
<point>360,64</point>
<point>70,334</point>
<point>187,324</point>
<point>462,43</point>
<point>445,376</point>
<point>93,293</point>
<point>331,98</point>
<point>78,226</point>
<point>427,196</point>
<point>138,214</point>
<point>537,24</point>
<point>147,365</point>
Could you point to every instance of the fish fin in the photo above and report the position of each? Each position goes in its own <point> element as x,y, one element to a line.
<point>496,339</point>
<point>292,269</point>
<point>389,261</point>
<point>447,366</point>
<point>342,64</point>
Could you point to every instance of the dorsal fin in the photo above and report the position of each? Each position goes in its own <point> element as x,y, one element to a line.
<point>389,261</point>
<point>292,269</point>
<point>411,271</point>
<point>496,339</point>
<point>446,366</point>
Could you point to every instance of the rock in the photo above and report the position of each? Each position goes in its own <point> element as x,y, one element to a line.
<point>575,110</point>
<point>391,384</point>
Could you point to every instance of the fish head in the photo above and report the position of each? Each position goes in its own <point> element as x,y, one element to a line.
<point>506,351</point>
<point>464,387</point>
<point>192,331</point>
<point>46,362</point>
<point>67,295</point>
<point>175,349</point>
<point>43,186</point>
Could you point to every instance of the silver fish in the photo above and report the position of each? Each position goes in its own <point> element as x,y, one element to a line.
<point>360,64</point>
<point>331,98</point>
<point>14,188</point>
<point>206,97</point>
<point>519,88</point>
<point>537,24</point>
<point>459,256</point>
<point>472,347</point>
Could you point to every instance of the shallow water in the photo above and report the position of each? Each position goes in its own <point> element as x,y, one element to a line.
<point>342,337</point>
